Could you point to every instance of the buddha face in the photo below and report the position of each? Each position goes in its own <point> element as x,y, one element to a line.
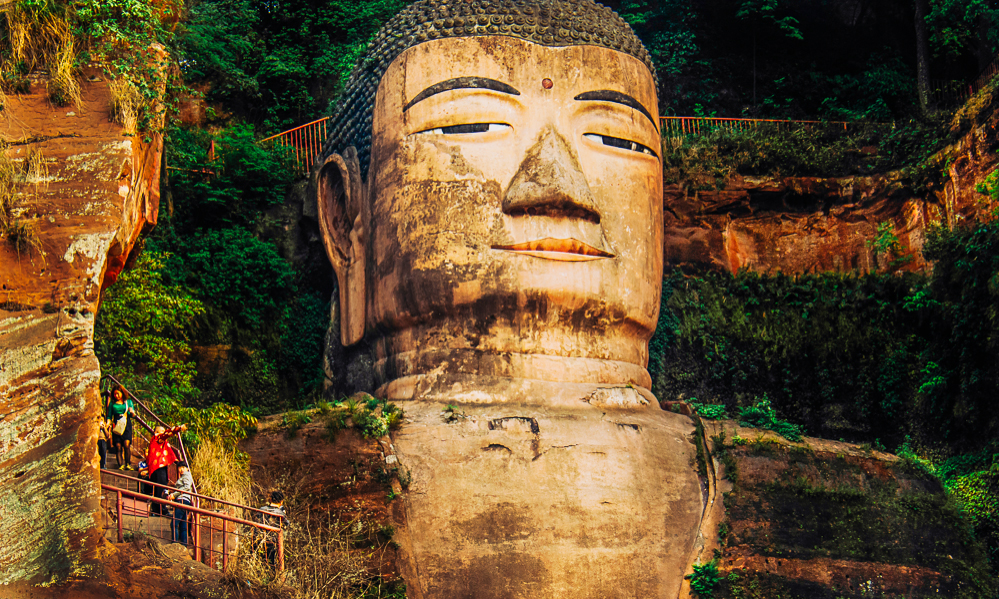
<point>513,203</point>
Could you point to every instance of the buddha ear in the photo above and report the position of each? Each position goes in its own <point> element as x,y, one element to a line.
<point>340,192</point>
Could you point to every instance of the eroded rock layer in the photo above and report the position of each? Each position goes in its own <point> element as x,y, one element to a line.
<point>815,224</point>
<point>87,191</point>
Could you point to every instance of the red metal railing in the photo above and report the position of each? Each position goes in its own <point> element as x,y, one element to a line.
<point>694,125</point>
<point>953,92</point>
<point>307,141</point>
<point>217,528</point>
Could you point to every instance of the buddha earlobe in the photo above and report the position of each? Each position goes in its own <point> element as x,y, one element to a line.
<point>339,192</point>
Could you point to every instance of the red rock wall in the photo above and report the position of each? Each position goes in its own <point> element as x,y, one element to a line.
<point>100,193</point>
<point>812,224</point>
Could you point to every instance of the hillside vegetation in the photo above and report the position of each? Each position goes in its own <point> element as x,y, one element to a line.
<point>904,361</point>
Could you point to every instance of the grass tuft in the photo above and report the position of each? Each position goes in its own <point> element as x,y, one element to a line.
<point>221,473</point>
<point>126,104</point>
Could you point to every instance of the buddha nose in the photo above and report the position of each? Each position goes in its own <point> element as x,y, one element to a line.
<point>550,182</point>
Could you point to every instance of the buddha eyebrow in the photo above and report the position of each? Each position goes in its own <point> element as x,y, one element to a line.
<point>606,95</point>
<point>462,83</point>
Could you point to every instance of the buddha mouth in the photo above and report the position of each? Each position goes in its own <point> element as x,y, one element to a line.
<point>565,250</point>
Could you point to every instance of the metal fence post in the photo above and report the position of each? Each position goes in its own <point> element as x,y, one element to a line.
<point>280,550</point>
<point>225,547</point>
<point>197,531</point>
<point>121,535</point>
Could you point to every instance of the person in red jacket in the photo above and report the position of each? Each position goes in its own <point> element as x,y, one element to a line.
<point>159,456</point>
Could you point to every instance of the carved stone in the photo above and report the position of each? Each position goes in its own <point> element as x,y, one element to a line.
<point>502,256</point>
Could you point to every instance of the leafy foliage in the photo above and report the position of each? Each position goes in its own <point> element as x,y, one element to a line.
<point>144,326</point>
<point>859,356</point>
<point>222,423</point>
<point>243,179</point>
<point>762,415</point>
<point>709,411</point>
<point>373,418</point>
<point>240,273</point>
<point>709,159</point>
<point>888,245</point>
<point>704,579</point>
<point>277,64</point>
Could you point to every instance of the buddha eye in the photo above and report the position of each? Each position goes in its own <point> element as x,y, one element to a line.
<point>468,128</point>
<point>617,142</point>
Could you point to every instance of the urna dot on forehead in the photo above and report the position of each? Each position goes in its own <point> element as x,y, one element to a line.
<point>544,22</point>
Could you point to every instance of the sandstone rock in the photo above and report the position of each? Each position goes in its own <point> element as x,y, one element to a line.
<point>830,519</point>
<point>814,224</point>
<point>100,192</point>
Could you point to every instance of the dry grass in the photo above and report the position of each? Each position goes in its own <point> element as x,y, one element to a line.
<point>63,87</point>
<point>221,473</point>
<point>42,39</point>
<point>35,169</point>
<point>126,104</point>
<point>17,230</point>
<point>8,174</point>
<point>325,558</point>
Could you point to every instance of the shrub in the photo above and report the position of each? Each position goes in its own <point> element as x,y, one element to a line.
<point>239,273</point>
<point>710,411</point>
<point>294,421</point>
<point>704,579</point>
<point>762,415</point>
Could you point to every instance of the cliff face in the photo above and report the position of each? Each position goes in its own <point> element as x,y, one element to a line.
<point>88,199</point>
<point>812,224</point>
<point>826,519</point>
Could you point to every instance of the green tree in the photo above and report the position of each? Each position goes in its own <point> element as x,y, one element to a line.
<point>239,273</point>
<point>143,328</point>
<point>280,63</point>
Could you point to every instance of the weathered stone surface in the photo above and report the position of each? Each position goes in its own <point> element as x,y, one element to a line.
<point>100,191</point>
<point>534,501</point>
<point>823,518</point>
<point>512,267</point>
<point>811,224</point>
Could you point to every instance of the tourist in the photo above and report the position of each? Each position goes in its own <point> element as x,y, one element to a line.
<point>159,457</point>
<point>119,419</point>
<point>185,485</point>
<point>275,516</point>
<point>144,487</point>
<point>103,439</point>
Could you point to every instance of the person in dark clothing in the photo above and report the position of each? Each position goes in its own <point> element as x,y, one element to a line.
<point>275,516</point>
<point>103,439</point>
<point>144,487</point>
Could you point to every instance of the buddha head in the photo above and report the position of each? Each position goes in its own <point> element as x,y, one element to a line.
<point>491,193</point>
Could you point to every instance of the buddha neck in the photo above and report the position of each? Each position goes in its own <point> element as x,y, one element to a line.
<point>427,363</point>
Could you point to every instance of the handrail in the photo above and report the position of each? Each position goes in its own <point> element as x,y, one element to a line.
<point>202,512</point>
<point>180,441</point>
<point>191,494</point>
<point>283,133</point>
<point>307,140</point>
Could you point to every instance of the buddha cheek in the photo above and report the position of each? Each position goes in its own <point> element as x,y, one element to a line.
<point>431,225</point>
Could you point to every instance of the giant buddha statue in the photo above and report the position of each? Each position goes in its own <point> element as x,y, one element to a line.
<point>491,200</point>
